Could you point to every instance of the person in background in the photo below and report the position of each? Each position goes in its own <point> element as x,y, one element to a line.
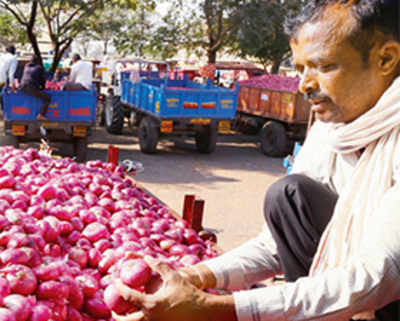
<point>33,83</point>
<point>332,227</point>
<point>81,75</point>
<point>8,66</point>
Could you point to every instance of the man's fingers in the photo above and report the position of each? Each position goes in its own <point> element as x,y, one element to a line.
<point>136,316</point>
<point>157,266</point>
<point>129,294</point>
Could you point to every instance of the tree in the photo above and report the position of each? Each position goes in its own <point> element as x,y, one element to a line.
<point>25,14</point>
<point>138,29</point>
<point>207,24</point>
<point>10,30</point>
<point>261,33</point>
<point>63,19</point>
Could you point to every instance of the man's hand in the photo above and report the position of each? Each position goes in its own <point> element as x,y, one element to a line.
<point>176,300</point>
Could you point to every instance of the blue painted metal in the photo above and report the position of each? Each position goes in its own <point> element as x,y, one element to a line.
<point>65,106</point>
<point>179,98</point>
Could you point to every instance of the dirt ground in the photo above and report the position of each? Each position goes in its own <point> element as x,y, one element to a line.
<point>232,180</point>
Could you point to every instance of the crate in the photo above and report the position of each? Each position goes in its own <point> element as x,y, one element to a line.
<point>65,106</point>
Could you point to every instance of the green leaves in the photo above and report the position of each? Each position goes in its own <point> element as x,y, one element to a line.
<point>261,33</point>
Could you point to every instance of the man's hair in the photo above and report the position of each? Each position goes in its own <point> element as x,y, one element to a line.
<point>76,57</point>
<point>35,59</point>
<point>11,49</point>
<point>370,15</point>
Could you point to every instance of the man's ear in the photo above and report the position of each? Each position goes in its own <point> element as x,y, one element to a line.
<point>389,57</point>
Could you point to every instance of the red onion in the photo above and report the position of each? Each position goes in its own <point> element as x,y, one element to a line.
<point>40,312</point>
<point>95,231</point>
<point>20,305</point>
<point>97,308</point>
<point>52,290</point>
<point>115,301</point>
<point>21,278</point>
<point>6,315</point>
<point>5,289</point>
<point>135,273</point>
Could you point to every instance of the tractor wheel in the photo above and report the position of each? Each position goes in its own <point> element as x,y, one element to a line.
<point>273,139</point>
<point>206,139</point>
<point>148,135</point>
<point>114,115</point>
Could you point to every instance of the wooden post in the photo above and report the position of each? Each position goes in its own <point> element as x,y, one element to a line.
<point>197,218</point>
<point>188,207</point>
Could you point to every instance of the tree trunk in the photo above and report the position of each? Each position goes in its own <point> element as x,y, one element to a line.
<point>212,56</point>
<point>275,66</point>
<point>105,47</point>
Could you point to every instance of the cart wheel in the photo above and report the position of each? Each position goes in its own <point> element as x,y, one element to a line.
<point>9,140</point>
<point>101,116</point>
<point>206,139</point>
<point>134,119</point>
<point>114,115</point>
<point>273,139</point>
<point>80,149</point>
<point>148,135</point>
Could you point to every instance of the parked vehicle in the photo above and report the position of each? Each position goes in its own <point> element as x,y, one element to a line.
<point>160,106</point>
<point>271,107</point>
<point>70,116</point>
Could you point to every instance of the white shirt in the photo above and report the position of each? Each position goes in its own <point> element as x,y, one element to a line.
<point>369,281</point>
<point>82,72</point>
<point>8,66</point>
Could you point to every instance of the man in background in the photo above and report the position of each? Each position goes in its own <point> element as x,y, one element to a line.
<point>33,83</point>
<point>8,66</point>
<point>81,75</point>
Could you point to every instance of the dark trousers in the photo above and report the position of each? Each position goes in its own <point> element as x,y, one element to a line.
<point>32,90</point>
<point>297,210</point>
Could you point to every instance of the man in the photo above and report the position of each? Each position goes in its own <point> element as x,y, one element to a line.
<point>33,83</point>
<point>333,226</point>
<point>8,66</point>
<point>81,75</point>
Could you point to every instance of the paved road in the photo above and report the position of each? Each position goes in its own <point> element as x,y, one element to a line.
<point>232,180</point>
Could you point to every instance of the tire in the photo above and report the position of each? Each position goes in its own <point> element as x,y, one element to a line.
<point>9,140</point>
<point>148,135</point>
<point>206,139</point>
<point>114,115</point>
<point>80,149</point>
<point>134,119</point>
<point>101,116</point>
<point>273,139</point>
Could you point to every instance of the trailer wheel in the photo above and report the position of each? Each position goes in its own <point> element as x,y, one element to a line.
<point>273,139</point>
<point>80,149</point>
<point>134,119</point>
<point>148,135</point>
<point>206,139</point>
<point>10,140</point>
<point>114,115</point>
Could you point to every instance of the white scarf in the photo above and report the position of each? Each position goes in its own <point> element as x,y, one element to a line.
<point>378,132</point>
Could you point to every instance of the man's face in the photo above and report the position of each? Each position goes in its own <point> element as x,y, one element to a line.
<point>341,87</point>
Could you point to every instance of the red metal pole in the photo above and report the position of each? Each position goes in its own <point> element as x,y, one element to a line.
<point>188,207</point>
<point>112,156</point>
<point>197,218</point>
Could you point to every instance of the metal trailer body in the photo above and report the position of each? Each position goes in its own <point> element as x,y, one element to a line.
<point>278,117</point>
<point>70,116</point>
<point>164,106</point>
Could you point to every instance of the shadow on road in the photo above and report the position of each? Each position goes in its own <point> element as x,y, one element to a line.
<point>178,162</point>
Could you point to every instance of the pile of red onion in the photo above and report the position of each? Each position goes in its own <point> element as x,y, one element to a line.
<point>273,82</point>
<point>68,229</point>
